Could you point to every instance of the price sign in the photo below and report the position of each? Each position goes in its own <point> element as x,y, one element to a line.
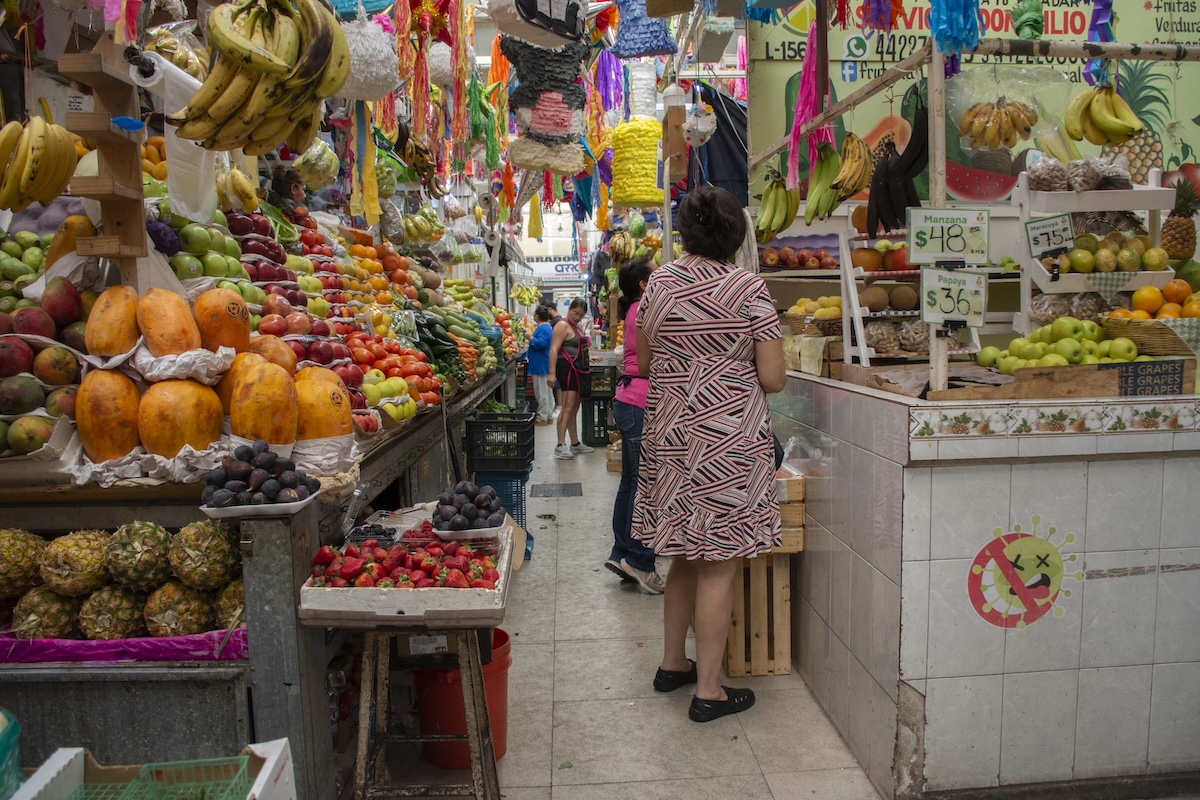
<point>1050,233</point>
<point>953,296</point>
<point>947,234</point>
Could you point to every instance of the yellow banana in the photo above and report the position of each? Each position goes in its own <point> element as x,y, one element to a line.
<point>10,189</point>
<point>1073,118</point>
<point>1124,113</point>
<point>991,133</point>
<point>969,116</point>
<point>1091,132</point>
<point>237,44</point>
<point>10,134</point>
<point>1101,109</point>
<point>39,155</point>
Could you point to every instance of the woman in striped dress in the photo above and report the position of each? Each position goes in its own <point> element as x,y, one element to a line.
<point>709,338</point>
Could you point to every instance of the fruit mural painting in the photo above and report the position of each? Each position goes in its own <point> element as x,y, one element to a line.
<point>1017,577</point>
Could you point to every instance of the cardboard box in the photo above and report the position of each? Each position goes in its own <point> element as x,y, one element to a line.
<point>1163,377</point>
<point>613,457</point>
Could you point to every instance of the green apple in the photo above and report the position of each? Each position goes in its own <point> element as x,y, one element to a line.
<point>215,265</point>
<point>230,285</point>
<point>219,219</point>
<point>1003,354</point>
<point>1007,365</point>
<point>195,238</point>
<point>232,248</point>
<point>174,220</point>
<point>187,266</point>
<point>254,318</point>
<point>988,356</point>
<point>216,240</point>
<point>372,394</point>
<point>1066,328</point>
<point>1144,358</point>
<point>1052,360</point>
<point>318,307</point>
<point>1033,351</point>
<point>1092,331</point>
<point>1015,345</point>
<point>295,263</point>
<point>1107,360</point>
<point>1069,349</point>
<point>233,267</point>
<point>246,290</point>
<point>1122,349</point>
<point>1041,334</point>
<point>374,376</point>
<point>1090,346</point>
<point>1088,358</point>
<point>1103,347</point>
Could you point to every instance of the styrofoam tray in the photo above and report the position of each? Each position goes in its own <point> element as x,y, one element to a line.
<point>265,510</point>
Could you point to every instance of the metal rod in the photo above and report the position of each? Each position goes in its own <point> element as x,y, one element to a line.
<point>822,31</point>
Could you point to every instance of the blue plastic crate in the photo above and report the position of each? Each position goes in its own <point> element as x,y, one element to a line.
<point>10,761</point>
<point>510,490</point>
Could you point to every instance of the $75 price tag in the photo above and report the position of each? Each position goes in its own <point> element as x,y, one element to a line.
<point>1049,233</point>
<point>953,296</point>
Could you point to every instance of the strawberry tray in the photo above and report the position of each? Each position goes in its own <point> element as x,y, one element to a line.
<point>435,608</point>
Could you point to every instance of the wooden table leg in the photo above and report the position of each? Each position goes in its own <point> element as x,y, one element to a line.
<point>366,692</point>
<point>479,729</point>
<point>383,653</point>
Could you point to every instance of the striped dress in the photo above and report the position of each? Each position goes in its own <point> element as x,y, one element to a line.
<point>706,488</point>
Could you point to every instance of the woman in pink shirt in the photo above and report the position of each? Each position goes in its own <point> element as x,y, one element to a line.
<point>630,559</point>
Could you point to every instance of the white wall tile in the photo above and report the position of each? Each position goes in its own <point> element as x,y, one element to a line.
<point>862,598</point>
<point>914,619</point>
<point>842,414</point>
<point>1056,492</point>
<point>978,447</point>
<point>1113,725</point>
<point>818,498</point>
<point>1175,718</point>
<point>806,558</point>
<point>918,497</point>
<point>840,557</point>
<point>806,652</point>
<point>968,504</point>
<point>1124,503</point>
<point>858,531</point>
<point>862,421</point>
<point>839,686</point>
<point>1186,440</point>
<point>821,642</point>
<point>818,545</point>
<point>1181,476</point>
<point>859,737</point>
<point>888,505</point>
<point>1119,599</point>
<point>1050,446</point>
<point>883,740</point>
<point>962,732</point>
<point>1177,622</point>
<point>885,633</point>
<point>823,405</point>
<point>923,450</point>
<point>1038,727</point>
<point>1135,443</point>
<point>891,431</point>
<point>842,496</point>
<point>1052,642</point>
<point>960,641</point>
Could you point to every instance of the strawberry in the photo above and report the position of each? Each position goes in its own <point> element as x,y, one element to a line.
<point>490,574</point>
<point>397,549</point>
<point>435,551</point>
<point>375,570</point>
<point>339,583</point>
<point>325,555</point>
<point>402,581</point>
<point>392,561</point>
<point>370,544</point>
<point>379,554</point>
<point>417,575</point>
<point>351,551</point>
<point>352,568</point>
<point>425,583</point>
<point>334,570</point>
<point>456,562</point>
<point>429,565</point>
<point>318,570</point>
<point>454,579</point>
<point>318,583</point>
<point>386,583</point>
<point>365,581</point>
<point>451,547</point>
<point>466,551</point>
<point>479,583</point>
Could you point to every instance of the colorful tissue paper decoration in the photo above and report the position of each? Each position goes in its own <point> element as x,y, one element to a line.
<point>641,35</point>
<point>881,15</point>
<point>809,100</point>
<point>635,162</point>
<point>955,26</point>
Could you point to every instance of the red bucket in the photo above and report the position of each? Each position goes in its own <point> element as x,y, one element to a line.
<point>440,706</point>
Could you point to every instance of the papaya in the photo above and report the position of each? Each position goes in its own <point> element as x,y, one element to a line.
<point>177,413</point>
<point>323,410</point>
<point>223,320</point>
<point>112,326</point>
<point>73,228</point>
<point>241,363</point>
<point>321,374</point>
<point>275,350</point>
<point>106,415</point>
<point>263,405</point>
<point>167,324</point>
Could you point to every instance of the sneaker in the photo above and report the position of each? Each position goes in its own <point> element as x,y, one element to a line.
<point>562,451</point>
<point>581,448</point>
<point>615,568</point>
<point>651,582</point>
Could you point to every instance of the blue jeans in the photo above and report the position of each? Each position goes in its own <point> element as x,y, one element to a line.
<point>629,421</point>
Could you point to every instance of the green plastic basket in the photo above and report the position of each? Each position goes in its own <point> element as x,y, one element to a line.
<point>596,422</point>
<point>99,791</point>
<point>212,779</point>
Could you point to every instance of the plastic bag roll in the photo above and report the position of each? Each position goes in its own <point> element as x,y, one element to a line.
<point>191,187</point>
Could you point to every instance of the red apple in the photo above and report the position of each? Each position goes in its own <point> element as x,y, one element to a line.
<point>811,263</point>
<point>5,323</point>
<point>276,304</point>
<point>351,375</point>
<point>320,352</point>
<point>299,349</point>
<point>358,400</point>
<point>251,269</point>
<point>822,253</point>
<point>262,226</point>
<point>272,325</point>
<point>828,262</point>
<point>804,255</point>
<point>299,323</point>
<point>900,258</point>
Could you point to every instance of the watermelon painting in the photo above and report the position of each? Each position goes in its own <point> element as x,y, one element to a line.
<point>976,185</point>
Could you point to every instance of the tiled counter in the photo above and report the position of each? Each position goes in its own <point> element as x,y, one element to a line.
<point>922,517</point>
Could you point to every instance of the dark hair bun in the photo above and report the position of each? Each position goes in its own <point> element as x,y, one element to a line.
<point>711,223</point>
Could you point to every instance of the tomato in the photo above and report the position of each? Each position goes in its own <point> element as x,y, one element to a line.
<point>431,398</point>
<point>392,346</point>
<point>436,384</point>
<point>378,351</point>
<point>411,368</point>
<point>395,372</point>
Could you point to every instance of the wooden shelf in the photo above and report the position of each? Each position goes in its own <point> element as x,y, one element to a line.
<point>90,69</point>
<point>99,128</point>
<point>103,188</point>
<point>107,247</point>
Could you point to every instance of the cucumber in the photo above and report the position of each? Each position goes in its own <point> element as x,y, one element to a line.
<point>463,333</point>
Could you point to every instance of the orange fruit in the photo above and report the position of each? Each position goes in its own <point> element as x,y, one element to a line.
<point>1139,314</point>
<point>1177,291</point>
<point>1191,309</point>
<point>1119,313</point>
<point>1163,314</point>
<point>1148,299</point>
<point>1169,308</point>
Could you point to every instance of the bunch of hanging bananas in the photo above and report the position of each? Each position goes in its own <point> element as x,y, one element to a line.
<point>994,125</point>
<point>621,248</point>
<point>525,294</point>
<point>823,197</point>
<point>1102,117</point>
<point>236,183</point>
<point>418,158</point>
<point>855,169</point>
<point>37,160</point>
<point>276,62</point>
<point>778,210</point>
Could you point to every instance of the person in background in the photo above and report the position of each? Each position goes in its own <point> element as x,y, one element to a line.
<point>571,364</point>
<point>554,318</point>
<point>709,339</point>
<point>630,559</point>
<point>287,190</point>
<point>539,365</point>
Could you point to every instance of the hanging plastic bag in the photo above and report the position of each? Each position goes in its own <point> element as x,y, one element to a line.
<point>318,165</point>
<point>177,42</point>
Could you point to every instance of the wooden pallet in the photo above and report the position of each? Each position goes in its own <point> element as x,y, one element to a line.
<point>760,636</point>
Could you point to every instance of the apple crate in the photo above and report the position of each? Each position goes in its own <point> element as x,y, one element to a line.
<point>760,633</point>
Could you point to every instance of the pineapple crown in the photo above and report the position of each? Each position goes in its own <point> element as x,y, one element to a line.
<point>1186,200</point>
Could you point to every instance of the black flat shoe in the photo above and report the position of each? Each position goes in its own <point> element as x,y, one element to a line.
<point>667,681</point>
<point>707,710</point>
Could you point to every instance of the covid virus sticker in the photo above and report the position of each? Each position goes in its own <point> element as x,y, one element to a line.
<point>1017,577</point>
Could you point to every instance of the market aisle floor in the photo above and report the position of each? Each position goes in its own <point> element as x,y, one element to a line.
<point>583,720</point>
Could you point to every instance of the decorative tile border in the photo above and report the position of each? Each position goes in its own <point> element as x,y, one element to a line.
<point>959,422</point>
<point>1055,419</point>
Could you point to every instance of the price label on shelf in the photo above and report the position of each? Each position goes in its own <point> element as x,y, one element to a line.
<point>953,296</point>
<point>948,234</point>
<point>1049,233</point>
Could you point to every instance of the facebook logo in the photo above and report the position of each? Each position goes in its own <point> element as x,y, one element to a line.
<point>849,71</point>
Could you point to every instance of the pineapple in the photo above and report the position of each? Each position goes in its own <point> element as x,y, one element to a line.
<point>1179,229</point>
<point>19,555</point>
<point>42,614</point>
<point>112,612</point>
<point>204,555</point>
<point>73,565</point>
<point>176,610</point>
<point>136,556</point>
<point>1140,85</point>
<point>231,602</point>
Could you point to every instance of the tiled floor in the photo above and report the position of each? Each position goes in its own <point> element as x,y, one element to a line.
<point>583,720</point>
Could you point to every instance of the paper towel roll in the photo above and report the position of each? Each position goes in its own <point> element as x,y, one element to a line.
<point>191,176</point>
